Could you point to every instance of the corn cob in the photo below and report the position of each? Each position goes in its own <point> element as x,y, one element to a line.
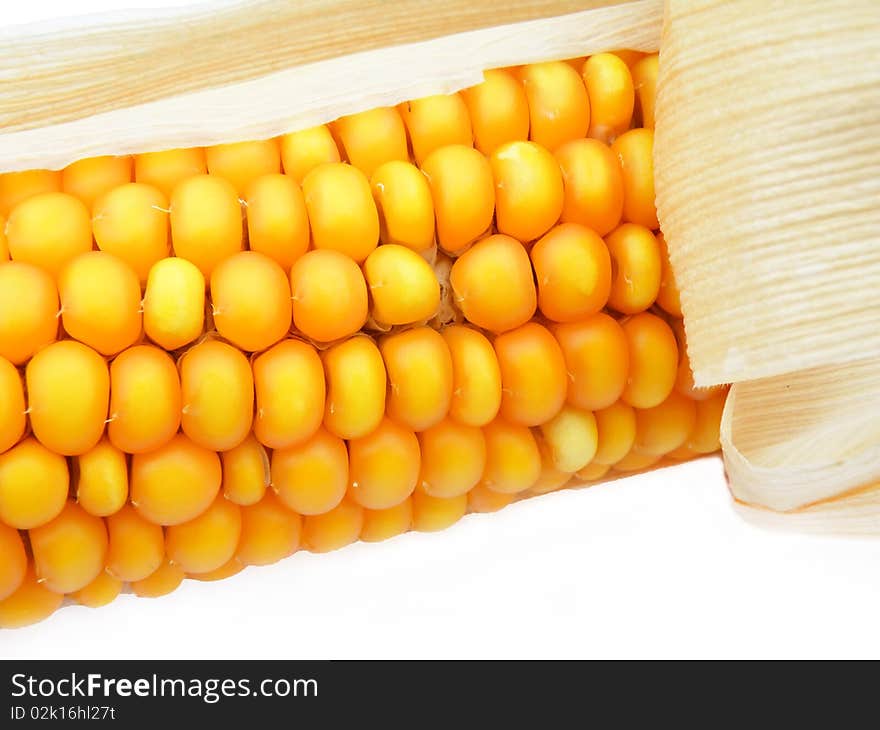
<point>211,358</point>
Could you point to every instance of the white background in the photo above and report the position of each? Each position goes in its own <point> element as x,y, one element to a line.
<point>654,565</point>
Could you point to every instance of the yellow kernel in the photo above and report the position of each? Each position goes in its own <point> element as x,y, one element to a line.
<point>436,121</point>
<point>668,296</point>
<point>342,214</point>
<point>419,369</point>
<point>476,378</point>
<point>102,487</point>
<point>573,269</point>
<point>483,499</point>
<point>174,303</point>
<point>250,294</point>
<point>403,200</point>
<point>311,478</point>
<point>383,524</point>
<point>13,568</point>
<point>666,426</point>
<point>68,386</point>
<point>529,193</point>
<point>304,150</point>
<point>463,192</point>
<point>290,394</point>
<point>610,88</point>
<point>243,162</point>
<point>69,551</point>
<point>329,295</point>
<point>596,358</point>
<point>551,478</point>
<point>106,317</point>
<point>28,311</point>
<point>494,285</point>
<point>453,458</point>
<point>32,602</point>
<point>644,74</point>
<point>637,266</point>
<point>593,472</point>
<point>145,399</point>
<point>356,385</point>
<point>498,109</point>
<point>628,56</point>
<point>245,472</point>
<point>653,360</point>
<point>4,246</point>
<point>231,567</point>
<point>277,220</point>
<point>533,375</point>
<point>16,187</point>
<point>269,532</point>
<point>166,169</point>
<point>383,466</point>
<point>48,230</point>
<point>635,150</point>
<point>335,529</point>
<point>101,591</point>
<point>33,485</point>
<point>634,461</point>
<point>572,437</point>
<point>207,541</point>
<point>217,389</point>
<point>12,406</point>
<point>513,461</point>
<point>559,108</point>
<point>176,482</point>
<point>164,580</point>
<point>593,185</point>
<point>430,513</point>
<point>373,137</point>
<point>206,224</point>
<point>616,426</point>
<point>131,222</point>
<point>90,178</point>
<point>403,286</point>
<point>137,546</point>
<point>704,437</point>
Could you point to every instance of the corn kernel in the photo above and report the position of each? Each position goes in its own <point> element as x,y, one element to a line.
<point>342,214</point>
<point>304,150</point>
<point>102,487</point>
<point>616,426</point>
<point>634,461</point>
<point>704,437</point>
<point>610,88</point>
<point>33,485</point>
<point>476,377</point>
<point>644,74</point>
<point>665,427</point>
<point>206,225</point>
<point>245,472</point>
<point>13,568</point>
<point>559,108</point>
<point>572,438</point>
<point>28,311</point>
<point>668,296</point>
<point>166,169</point>
<point>373,137</point>
<point>176,482</point>
<point>593,185</point>
<point>207,541</point>
<point>164,580</point>
<point>69,551</point>
<point>356,385</point>
<point>637,266</point>
<point>137,546</point>
<point>463,192</point>
<point>277,220</point>
<point>419,368</point>
<point>513,461</point>
<point>311,478</point>
<point>573,269</point>
<point>403,200</point>
<point>436,121</point>
<point>431,514</point>
<point>335,529</point>
<point>653,360</point>
<point>217,389</point>
<point>529,193</point>
<point>635,149</point>
<point>384,466</point>
<point>494,285</point>
<point>329,295</point>
<point>243,162</point>
<point>231,567</point>
<point>32,602</point>
<point>483,499</point>
<point>16,187</point>
<point>383,524</point>
<point>269,532</point>
<point>174,303</point>
<point>92,177</point>
<point>593,472</point>
<point>12,405</point>
<point>48,230</point>
<point>102,591</point>
<point>403,287</point>
<point>453,458</point>
<point>498,109</point>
